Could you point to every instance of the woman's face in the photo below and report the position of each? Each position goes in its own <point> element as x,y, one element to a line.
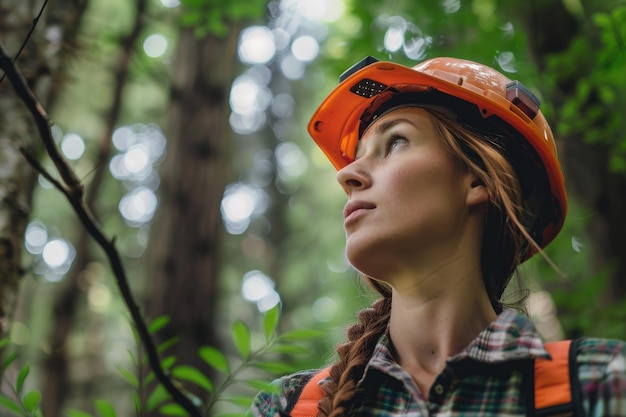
<point>409,200</point>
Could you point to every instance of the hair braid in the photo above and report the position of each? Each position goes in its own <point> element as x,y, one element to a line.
<point>354,355</point>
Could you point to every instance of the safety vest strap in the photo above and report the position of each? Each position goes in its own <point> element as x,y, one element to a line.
<point>555,385</point>
<point>311,394</point>
<point>556,390</point>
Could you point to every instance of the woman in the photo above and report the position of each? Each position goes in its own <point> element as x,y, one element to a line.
<point>452,181</point>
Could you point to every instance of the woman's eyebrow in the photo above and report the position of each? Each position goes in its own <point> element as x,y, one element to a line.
<point>383,127</point>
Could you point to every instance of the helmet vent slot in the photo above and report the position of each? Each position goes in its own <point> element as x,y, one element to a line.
<point>367,88</point>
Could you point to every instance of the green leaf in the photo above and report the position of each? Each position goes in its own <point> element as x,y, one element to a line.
<point>173,410</point>
<point>31,400</point>
<point>9,360</point>
<point>168,343</point>
<point>149,378</point>
<point>105,409</point>
<point>10,404</point>
<point>167,363</point>
<point>214,358</point>
<point>158,323</point>
<point>241,337</point>
<point>4,342</point>
<point>190,374</point>
<point>130,377</point>
<point>244,402</point>
<point>21,377</point>
<point>270,321</point>
<point>157,396</point>
<point>262,386</point>
<point>138,404</point>
<point>289,349</point>
<point>301,334</point>
<point>133,358</point>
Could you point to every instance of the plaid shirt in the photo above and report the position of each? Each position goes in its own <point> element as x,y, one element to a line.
<point>490,377</point>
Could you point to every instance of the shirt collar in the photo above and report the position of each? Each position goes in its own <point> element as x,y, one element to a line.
<point>511,336</point>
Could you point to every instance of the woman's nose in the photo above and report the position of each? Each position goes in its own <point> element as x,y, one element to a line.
<point>353,177</point>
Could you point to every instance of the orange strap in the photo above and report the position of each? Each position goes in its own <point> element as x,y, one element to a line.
<point>552,379</point>
<point>311,394</point>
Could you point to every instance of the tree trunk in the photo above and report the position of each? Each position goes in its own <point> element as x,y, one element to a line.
<point>40,63</point>
<point>187,233</point>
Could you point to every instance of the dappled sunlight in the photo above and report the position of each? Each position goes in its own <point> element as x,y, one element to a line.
<point>170,4</point>
<point>56,258</point>
<point>256,287</point>
<point>56,253</point>
<point>248,97</point>
<point>239,203</point>
<point>256,45</point>
<point>72,146</point>
<point>35,237</point>
<point>292,68</point>
<point>324,309</point>
<point>323,10</point>
<point>155,45</point>
<point>291,161</point>
<point>451,6</point>
<point>141,147</point>
<point>139,206</point>
<point>305,48</point>
<point>53,255</point>
<point>99,297</point>
<point>396,33</point>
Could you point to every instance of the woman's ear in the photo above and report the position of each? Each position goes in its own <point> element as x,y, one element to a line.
<point>477,193</point>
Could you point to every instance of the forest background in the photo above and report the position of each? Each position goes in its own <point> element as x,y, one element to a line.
<point>185,122</point>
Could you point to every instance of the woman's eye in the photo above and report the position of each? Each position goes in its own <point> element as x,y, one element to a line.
<point>395,142</point>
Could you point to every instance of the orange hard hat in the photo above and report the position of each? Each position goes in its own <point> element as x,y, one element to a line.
<point>479,96</point>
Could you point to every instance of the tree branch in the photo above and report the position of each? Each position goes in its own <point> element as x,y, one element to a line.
<point>73,190</point>
<point>28,35</point>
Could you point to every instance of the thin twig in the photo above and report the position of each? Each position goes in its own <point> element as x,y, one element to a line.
<point>73,190</point>
<point>28,35</point>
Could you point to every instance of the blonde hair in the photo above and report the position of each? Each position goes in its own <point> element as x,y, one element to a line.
<point>504,246</point>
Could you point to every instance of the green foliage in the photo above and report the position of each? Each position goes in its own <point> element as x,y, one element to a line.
<point>214,358</point>
<point>105,409</point>
<point>595,62</point>
<point>25,404</point>
<point>268,358</point>
<point>215,17</point>
<point>241,337</point>
<point>261,358</point>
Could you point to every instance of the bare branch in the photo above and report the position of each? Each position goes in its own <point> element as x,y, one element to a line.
<point>73,190</point>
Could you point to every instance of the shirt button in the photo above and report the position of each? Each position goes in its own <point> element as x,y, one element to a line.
<point>438,389</point>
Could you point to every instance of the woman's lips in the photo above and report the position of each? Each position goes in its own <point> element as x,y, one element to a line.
<point>353,208</point>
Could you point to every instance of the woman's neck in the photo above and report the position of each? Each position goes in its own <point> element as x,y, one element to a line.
<point>436,319</point>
